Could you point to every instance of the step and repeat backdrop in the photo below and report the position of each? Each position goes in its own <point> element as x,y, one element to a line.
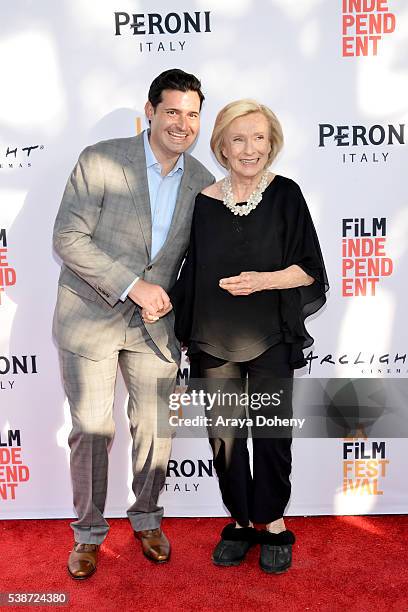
<point>335,72</point>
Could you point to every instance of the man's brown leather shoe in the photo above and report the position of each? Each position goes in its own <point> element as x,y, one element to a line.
<point>155,545</point>
<point>82,560</point>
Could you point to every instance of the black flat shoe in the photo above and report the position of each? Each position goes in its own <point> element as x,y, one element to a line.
<point>234,545</point>
<point>276,551</point>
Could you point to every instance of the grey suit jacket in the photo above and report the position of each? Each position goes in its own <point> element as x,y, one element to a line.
<point>103,235</point>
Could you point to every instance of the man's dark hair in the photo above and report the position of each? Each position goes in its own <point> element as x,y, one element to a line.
<point>174,79</point>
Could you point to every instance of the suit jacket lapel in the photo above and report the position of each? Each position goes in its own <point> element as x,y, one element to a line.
<point>135,172</point>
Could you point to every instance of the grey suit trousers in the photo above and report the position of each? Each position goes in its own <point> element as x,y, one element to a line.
<point>90,386</point>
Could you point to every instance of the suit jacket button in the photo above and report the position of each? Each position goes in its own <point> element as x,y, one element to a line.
<point>149,267</point>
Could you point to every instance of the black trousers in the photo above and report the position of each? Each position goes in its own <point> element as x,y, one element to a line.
<point>263,496</point>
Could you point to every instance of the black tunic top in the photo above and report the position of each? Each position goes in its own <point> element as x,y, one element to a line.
<point>277,234</point>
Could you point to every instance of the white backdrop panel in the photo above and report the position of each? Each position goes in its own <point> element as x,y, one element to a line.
<point>69,81</point>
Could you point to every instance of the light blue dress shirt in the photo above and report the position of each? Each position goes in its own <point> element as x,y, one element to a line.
<point>163,191</point>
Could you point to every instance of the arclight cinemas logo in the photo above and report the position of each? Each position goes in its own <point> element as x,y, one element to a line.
<point>158,33</point>
<point>364,24</point>
<point>378,363</point>
<point>364,257</point>
<point>361,140</point>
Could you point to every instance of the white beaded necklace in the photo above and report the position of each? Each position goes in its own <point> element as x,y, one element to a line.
<point>253,200</point>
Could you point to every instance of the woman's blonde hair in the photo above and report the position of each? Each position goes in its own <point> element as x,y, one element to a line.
<point>240,108</point>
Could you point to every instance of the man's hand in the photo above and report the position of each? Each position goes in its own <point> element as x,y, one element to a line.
<point>148,317</point>
<point>151,297</point>
<point>244,284</point>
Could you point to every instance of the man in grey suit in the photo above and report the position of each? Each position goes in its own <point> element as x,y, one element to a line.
<point>122,231</point>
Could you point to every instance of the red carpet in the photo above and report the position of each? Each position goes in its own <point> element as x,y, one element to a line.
<point>356,564</point>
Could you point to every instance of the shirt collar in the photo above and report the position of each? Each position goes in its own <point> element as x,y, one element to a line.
<point>151,161</point>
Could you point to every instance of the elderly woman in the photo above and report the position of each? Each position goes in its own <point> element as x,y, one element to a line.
<point>253,272</point>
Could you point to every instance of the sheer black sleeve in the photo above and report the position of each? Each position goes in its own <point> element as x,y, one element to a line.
<point>301,247</point>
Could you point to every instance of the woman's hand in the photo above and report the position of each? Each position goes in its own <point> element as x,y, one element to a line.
<point>245,284</point>
<point>152,317</point>
<point>249,282</point>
